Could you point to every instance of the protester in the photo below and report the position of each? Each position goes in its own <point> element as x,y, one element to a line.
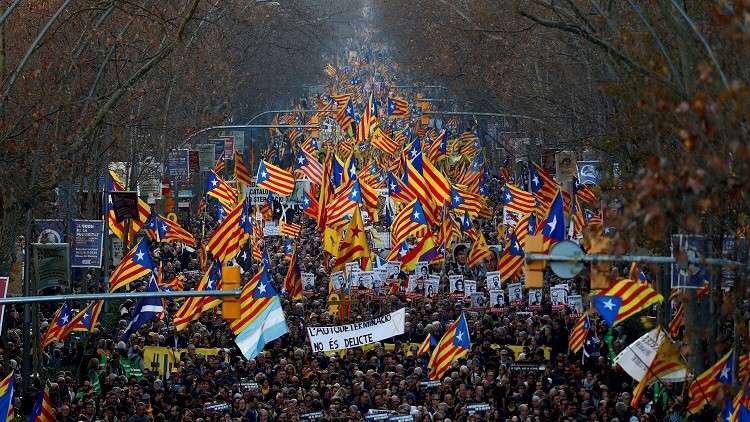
<point>518,367</point>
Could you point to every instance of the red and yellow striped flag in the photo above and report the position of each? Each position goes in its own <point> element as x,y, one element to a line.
<point>241,172</point>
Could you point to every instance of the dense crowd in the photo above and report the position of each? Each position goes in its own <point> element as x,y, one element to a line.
<point>518,368</point>
<point>535,380</point>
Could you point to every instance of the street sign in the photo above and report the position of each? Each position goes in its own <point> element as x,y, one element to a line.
<point>218,148</point>
<point>588,172</point>
<point>178,164</point>
<point>193,161</point>
<point>565,269</point>
<point>206,157</point>
<point>125,204</point>
<point>228,147</point>
<point>49,231</point>
<point>565,165</point>
<point>50,264</point>
<point>86,245</point>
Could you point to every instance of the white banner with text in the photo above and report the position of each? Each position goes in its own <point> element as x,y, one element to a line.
<point>324,339</point>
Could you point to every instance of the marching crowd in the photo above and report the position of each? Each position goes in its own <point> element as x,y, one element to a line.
<point>518,368</point>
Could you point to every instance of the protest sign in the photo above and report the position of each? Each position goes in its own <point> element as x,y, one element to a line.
<point>535,297</point>
<point>271,229</point>
<point>497,298</point>
<point>163,359</point>
<point>457,283</point>
<point>689,275</point>
<point>493,280</point>
<point>576,302</point>
<point>366,279</point>
<point>49,231</point>
<point>337,280</point>
<point>637,357</point>
<point>394,268</point>
<point>422,269</point>
<point>337,337</point>
<point>559,294</point>
<point>515,292</point>
<point>432,286</point>
<point>308,281</point>
<point>478,300</point>
<point>86,245</point>
<point>470,287</point>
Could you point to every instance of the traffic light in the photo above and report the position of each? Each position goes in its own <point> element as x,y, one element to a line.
<point>534,270</point>
<point>230,280</point>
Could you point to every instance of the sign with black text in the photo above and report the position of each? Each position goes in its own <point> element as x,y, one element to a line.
<point>325,339</point>
<point>86,245</point>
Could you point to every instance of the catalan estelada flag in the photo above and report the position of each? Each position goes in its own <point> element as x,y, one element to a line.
<point>624,299</point>
<point>226,240</point>
<point>410,219</point>
<point>43,409</point>
<point>293,279</point>
<point>59,327</point>
<point>464,201</point>
<point>707,385</point>
<point>310,166</point>
<point>193,307</point>
<point>261,318</point>
<point>511,259</point>
<point>291,230</point>
<point>171,231</point>
<point>114,184</point>
<point>86,320</point>
<point>241,174</point>
<point>134,265</point>
<point>221,190</point>
<point>354,243</point>
<point>543,186</point>
<point>438,185</point>
<point>426,345</point>
<point>677,321</point>
<point>383,142</point>
<point>275,179</point>
<point>396,107</point>
<point>479,250</point>
<point>454,345</point>
<point>7,387</point>
<point>579,333</point>
<point>741,404</point>
<point>310,206</point>
<point>517,199</point>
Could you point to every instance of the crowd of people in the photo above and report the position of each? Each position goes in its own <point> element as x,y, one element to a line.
<point>535,380</point>
<point>519,367</point>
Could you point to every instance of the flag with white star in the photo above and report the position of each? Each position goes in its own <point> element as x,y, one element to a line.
<point>146,309</point>
<point>134,265</point>
<point>59,326</point>
<point>624,299</point>
<point>262,319</point>
<point>453,345</point>
<point>554,228</point>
